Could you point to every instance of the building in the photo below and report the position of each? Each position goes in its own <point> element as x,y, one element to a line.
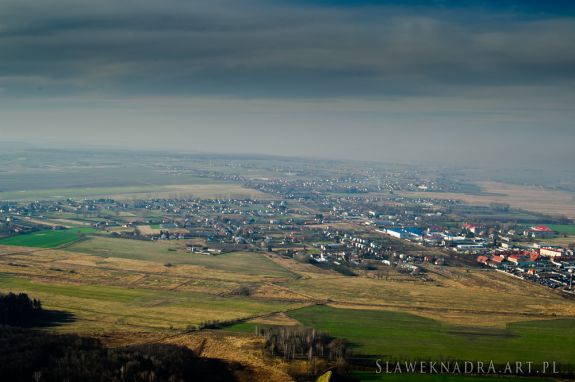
<point>397,233</point>
<point>539,232</point>
<point>497,259</point>
<point>551,252</point>
<point>473,228</point>
<point>482,259</point>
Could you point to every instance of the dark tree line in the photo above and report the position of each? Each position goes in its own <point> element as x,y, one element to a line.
<point>19,309</point>
<point>299,342</point>
<point>34,356</point>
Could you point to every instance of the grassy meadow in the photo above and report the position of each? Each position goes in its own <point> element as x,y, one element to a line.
<point>47,238</point>
<point>564,229</point>
<point>456,295</point>
<point>111,284</point>
<point>105,308</point>
<point>404,336</point>
<point>250,263</point>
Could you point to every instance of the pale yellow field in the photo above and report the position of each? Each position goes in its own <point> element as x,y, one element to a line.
<point>213,190</point>
<point>204,191</point>
<point>280,319</point>
<point>71,222</point>
<point>147,230</point>
<point>457,296</point>
<point>48,223</point>
<point>529,198</point>
<point>110,292</point>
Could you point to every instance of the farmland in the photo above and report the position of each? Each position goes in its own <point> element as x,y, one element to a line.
<point>118,284</point>
<point>471,295</point>
<point>400,337</point>
<point>404,336</point>
<point>176,253</point>
<point>536,199</point>
<point>47,238</point>
<point>201,190</point>
<point>110,286</point>
<point>103,308</point>
<point>138,266</point>
<point>565,229</point>
<point>201,261</point>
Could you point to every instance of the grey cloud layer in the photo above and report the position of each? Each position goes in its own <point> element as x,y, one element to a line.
<point>263,49</point>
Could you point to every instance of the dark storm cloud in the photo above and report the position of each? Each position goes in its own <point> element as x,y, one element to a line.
<point>275,49</point>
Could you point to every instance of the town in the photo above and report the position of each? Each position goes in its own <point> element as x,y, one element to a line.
<point>353,222</point>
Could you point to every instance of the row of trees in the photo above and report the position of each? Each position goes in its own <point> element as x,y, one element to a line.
<point>19,309</point>
<point>299,342</point>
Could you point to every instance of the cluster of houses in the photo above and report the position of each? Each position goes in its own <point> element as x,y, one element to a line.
<point>431,238</point>
<point>520,252</point>
<point>547,266</point>
<point>351,249</point>
<point>346,248</point>
<point>478,239</point>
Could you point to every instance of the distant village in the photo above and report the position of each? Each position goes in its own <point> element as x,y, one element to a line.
<point>353,224</point>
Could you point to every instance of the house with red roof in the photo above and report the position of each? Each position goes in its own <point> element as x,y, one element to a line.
<point>519,259</point>
<point>540,231</point>
<point>498,259</point>
<point>482,259</point>
<point>533,256</point>
<point>473,228</point>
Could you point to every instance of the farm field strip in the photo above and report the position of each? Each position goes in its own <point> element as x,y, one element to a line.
<point>565,229</point>
<point>201,190</point>
<point>83,268</point>
<point>398,335</point>
<point>176,253</point>
<point>528,198</point>
<point>47,238</point>
<point>455,300</point>
<point>141,264</point>
<point>137,306</point>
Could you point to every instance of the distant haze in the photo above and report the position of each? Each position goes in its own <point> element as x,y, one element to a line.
<point>490,83</point>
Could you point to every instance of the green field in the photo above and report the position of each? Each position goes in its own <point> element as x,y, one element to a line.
<point>567,229</point>
<point>395,335</point>
<point>249,263</point>
<point>400,337</point>
<point>47,238</point>
<point>406,336</point>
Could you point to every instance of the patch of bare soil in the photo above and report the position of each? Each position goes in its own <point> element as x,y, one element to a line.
<point>279,319</point>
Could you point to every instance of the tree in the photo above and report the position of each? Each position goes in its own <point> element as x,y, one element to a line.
<point>19,309</point>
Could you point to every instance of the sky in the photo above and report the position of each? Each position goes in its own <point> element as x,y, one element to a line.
<point>482,82</point>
